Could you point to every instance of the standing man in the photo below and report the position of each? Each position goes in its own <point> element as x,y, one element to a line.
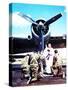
<point>49,53</point>
<point>57,65</point>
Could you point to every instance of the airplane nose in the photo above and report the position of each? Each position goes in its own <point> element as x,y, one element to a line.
<point>40,27</point>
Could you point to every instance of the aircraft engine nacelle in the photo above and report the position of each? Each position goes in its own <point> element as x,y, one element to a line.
<point>36,30</point>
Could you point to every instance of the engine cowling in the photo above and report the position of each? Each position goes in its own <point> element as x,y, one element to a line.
<point>36,29</point>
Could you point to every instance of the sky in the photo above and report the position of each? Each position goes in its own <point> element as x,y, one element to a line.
<point>22,28</point>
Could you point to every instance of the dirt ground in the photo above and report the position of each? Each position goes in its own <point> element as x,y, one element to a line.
<point>48,80</point>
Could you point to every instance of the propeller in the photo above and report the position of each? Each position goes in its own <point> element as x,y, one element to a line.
<point>27,18</point>
<point>53,19</point>
<point>41,27</point>
<point>41,24</point>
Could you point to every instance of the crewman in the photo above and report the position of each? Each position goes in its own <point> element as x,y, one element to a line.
<point>42,64</point>
<point>34,66</point>
<point>49,53</point>
<point>25,66</point>
<point>57,65</point>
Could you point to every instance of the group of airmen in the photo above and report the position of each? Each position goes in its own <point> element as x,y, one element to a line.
<point>40,64</point>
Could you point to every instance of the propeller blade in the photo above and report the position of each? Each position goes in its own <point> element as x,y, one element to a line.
<point>53,19</point>
<point>27,18</point>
